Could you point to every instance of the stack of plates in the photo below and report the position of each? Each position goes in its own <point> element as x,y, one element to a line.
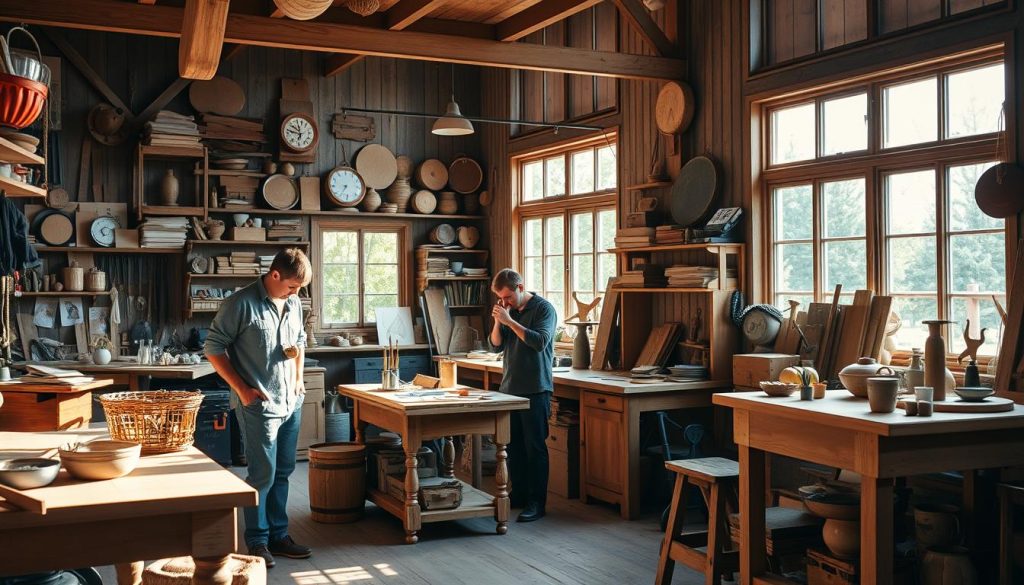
<point>388,208</point>
<point>231,164</point>
<point>686,372</point>
<point>474,271</point>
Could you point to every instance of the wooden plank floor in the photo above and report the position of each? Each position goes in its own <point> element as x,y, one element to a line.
<point>575,544</point>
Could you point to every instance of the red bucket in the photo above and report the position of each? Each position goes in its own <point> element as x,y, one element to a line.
<point>21,101</point>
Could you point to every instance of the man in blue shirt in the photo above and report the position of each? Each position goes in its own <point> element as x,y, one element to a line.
<point>256,344</point>
<point>524,328</point>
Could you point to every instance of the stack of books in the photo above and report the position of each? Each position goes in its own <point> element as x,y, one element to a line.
<point>465,293</point>
<point>698,277</point>
<point>285,230</point>
<point>171,129</point>
<point>438,266</point>
<point>634,237</point>
<point>244,263</point>
<point>647,276</point>
<point>265,262</point>
<point>670,234</point>
<point>215,129</point>
<point>48,375</point>
<point>164,232</point>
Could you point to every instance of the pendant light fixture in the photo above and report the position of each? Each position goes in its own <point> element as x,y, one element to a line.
<point>453,123</point>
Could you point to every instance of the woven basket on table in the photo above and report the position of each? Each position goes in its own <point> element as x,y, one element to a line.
<point>162,421</point>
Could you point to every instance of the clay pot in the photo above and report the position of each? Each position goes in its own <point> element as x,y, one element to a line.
<point>447,204</point>
<point>169,189</point>
<point>101,356</point>
<point>947,565</point>
<point>215,230</point>
<point>855,376</point>
<point>882,393</point>
<point>842,537</point>
<point>935,358</point>
<point>936,525</point>
<point>371,201</point>
<point>399,193</point>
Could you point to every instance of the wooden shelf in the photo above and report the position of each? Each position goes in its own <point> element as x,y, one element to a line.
<point>191,276</point>
<point>230,173</point>
<point>730,248</point>
<point>333,213</point>
<point>172,210</point>
<point>649,185</point>
<point>269,243</point>
<point>441,251</point>
<point>637,289</point>
<point>173,151</point>
<point>98,250</point>
<point>65,293</point>
<point>466,306</point>
<point>18,189</point>
<point>458,278</point>
<point>475,504</point>
<point>12,153</point>
<point>364,348</point>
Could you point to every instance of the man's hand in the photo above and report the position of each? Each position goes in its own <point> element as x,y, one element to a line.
<point>300,387</point>
<point>500,315</point>
<point>248,395</point>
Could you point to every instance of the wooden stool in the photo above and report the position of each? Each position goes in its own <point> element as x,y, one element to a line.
<point>244,569</point>
<point>718,481</point>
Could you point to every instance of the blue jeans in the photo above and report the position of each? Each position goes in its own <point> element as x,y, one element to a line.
<point>270,452</point>
<point>528,451</point>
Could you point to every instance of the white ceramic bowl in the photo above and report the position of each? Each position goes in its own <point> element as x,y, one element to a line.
<point>26,474</point>
<point>102,459</point>
<point>240,218</point>
<point>974,393</point>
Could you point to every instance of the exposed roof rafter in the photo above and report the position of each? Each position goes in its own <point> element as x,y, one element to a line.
<point>399,17</point>
<point>539,16</point>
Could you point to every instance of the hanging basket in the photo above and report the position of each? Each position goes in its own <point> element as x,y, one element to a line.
<point>363,7</point>
<point>21,101</point>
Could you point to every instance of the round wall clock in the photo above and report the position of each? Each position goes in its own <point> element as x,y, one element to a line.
<point>674,109</point>
<point>299,132</point>
<point>344,187</point>
<point>102,230</point>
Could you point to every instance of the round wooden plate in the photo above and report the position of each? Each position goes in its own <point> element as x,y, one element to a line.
<point>485,198</point>
<point>443,234</point>
<point>220,95</point>
<point>465,175</point>
<point>674,109</point>
<point>58,198</point>
<point>280,192</point>
<point>431,174</point>
<point>54,228</point>
<point>424,202</point>
<point>1000,190</point>
<point>469,236</point>
<point>377,166</point>
<point>694,191</point>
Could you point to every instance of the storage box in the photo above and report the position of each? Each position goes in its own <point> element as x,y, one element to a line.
<point>248,234</point>
<point>45,411</point>
<point>440,493</point>
<point>824,569</point>
<point>392,462</point>
<point>750,368</point>
<point>126,238</point>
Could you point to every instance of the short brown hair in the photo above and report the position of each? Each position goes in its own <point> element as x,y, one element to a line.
<point>506,278</point>
<point>292,263</point>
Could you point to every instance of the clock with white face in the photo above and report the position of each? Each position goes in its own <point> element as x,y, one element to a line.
<point>299,133</point>
<point>344,186</point>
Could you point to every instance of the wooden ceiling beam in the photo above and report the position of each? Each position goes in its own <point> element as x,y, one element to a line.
<point>640,19</point>
<point>539,16</point>
<point>202,38</point>
<point>399,17</point>
<point>166,21</point>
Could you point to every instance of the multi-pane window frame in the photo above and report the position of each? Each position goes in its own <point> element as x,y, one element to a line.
<point>549,158</point>
<point>873,164</point>
<point>404,258</point>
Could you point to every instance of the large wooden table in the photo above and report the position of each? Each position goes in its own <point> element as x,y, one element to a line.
<point>610,409</point>
<point>174,504</point>
<point>31,406</point>
<point>135,376</point>
<point>840,431</point>
<point>419,418</point>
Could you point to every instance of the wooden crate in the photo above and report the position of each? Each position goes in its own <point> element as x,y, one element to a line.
<point>825,569</point>
<point>248,234</point>
<point>39,411</point>
<point>750,368</point>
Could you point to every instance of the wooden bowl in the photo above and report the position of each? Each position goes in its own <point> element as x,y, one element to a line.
<point>833,505</point>
<point>778,389</point>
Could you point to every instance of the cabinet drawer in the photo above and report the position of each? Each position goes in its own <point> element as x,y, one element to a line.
<point>602,401</point>
<point>314,381</point>
<point>368,376</point>
<point>368,363</point>
<point>565,439</point>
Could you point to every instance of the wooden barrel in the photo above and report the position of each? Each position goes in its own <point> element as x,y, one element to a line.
<point>337,482</point>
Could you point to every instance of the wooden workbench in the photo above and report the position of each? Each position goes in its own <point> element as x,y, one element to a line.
<point>610,409</point>
<point>840,431</point>
<point>419,418</point>
<point>133,375</point>
<point>47,407</point>
<point>173,504</point>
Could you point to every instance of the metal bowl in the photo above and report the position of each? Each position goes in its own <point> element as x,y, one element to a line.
<point>29,473</point>
<point>26,64</point>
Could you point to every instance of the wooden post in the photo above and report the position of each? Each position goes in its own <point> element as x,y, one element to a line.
<point>753,556</point>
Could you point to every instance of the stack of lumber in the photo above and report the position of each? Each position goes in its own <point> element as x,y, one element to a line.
<point>285,229</point>
<point>686,276</point>
<point>164,232</point>
<point>171,129</point>
<point>634,237</point>
<point>659,345</point>
<point>214,129</point>
<point>670,234</point>
<point>646,276</point>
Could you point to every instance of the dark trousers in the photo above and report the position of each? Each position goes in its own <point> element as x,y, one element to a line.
<point>528,451</point>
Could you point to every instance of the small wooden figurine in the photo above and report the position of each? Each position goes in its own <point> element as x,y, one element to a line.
<point>973,345</point>
<point>583,309</point>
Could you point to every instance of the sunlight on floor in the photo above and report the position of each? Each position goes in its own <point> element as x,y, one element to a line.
<point>342,576</point>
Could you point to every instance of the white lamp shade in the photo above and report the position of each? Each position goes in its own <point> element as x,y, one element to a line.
<point>452,123</point>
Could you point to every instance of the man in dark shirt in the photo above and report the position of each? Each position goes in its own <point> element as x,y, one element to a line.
<point>524,328</point>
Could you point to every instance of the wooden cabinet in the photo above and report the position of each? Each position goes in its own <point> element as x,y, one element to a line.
<point>564,460</point>
<point>311,431</point>
<point>603,448</point>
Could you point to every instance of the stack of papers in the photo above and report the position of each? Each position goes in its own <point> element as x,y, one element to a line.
<point>698,277</point>
<point>48,375</point>
<point>164,232</point>
<point>172,129</point>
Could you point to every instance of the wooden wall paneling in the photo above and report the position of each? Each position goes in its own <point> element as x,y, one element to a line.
<point>581,87</point>
<point>606,38</point>
<point>780,34</point>
<point>805,27</point>
<point>921,11</point>
<point>554,88</point>
<point>833,23</point>
<point>892,15</point>
<point>856,20</point>
<point>532,86</point>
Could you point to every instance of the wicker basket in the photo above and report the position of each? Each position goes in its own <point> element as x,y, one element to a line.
<point>163,421</point>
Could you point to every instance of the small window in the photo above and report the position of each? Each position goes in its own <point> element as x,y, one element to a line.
<point>910,113</point>
<point>583,172</point>
<point>845,124</point>
<point>793,132</point>
<point>360,271</point>
<point>576,172</point>
<point>533,181</point>
<point>975,101</point>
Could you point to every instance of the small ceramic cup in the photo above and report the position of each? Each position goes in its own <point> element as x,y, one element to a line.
<point>925,395</point>
<point>910,407</point>
<point>882,393</point>
<point>819,390</point>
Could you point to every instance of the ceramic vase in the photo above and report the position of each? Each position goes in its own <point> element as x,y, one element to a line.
<point>842,537</point>
<point>371,201</point>
<point>935,358</point>
<point>914,375</point>
<point>215,230</point>
<point>169,189</point>
<point>581,349</point>
<point>947,565</point>
<point>101,356</point>
<point>447,204</point>
<point>399,193</point>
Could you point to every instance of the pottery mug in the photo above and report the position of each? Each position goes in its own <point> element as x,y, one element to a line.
<point>936,524</point>
<point>882,393</point>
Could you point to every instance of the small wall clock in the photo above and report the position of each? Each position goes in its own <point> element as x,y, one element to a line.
<point>344,187</point>
<point>299,132</point>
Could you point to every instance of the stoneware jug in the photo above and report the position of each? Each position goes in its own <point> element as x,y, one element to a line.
<point>101,356</point>
<point>169,189</point>
<point>882,393</point>
<point>947,565</point>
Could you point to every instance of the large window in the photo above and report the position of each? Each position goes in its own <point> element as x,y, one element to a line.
<point>883,197</point>
<point>359,269</point>
<point>568,222</point>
